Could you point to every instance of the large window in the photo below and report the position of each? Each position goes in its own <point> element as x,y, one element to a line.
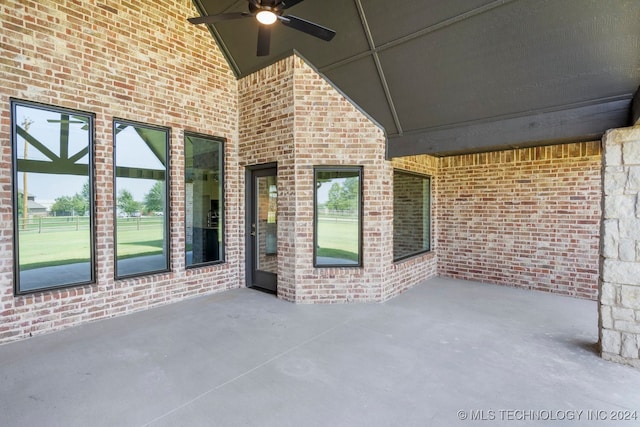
<point>338,217</point>
<point>411,214</point>
<point>204,223</point>
<point>52,197</point>
<point>141,194</point>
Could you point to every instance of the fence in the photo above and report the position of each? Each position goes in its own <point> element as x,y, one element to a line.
<point>325,214</point>
<point>46,224</point>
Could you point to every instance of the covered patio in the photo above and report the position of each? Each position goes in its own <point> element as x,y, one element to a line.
<point>446,352</point>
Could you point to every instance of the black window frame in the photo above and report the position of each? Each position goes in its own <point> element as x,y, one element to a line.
<point>222,217</point>
<point>324,168</point>
<point>167,207</point>
<point>14,104</point>
<point>429,178</point>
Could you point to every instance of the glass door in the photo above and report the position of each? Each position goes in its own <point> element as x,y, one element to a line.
<point>263,234</point>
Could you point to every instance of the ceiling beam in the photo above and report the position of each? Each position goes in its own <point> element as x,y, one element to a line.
<point>416,34</point>
<point>572,124</point>
<point>380,71</point>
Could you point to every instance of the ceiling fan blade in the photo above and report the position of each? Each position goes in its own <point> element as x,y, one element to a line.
<point>212,19</point>
<point>286,4</point>
<point>264,39</point>
<point>307,27</point>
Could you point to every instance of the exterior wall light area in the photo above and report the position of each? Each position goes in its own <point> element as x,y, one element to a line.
<point>266,17</point>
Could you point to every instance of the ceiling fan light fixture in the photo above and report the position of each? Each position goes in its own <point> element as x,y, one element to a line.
<point>266,17</point>
<point>267,12</point>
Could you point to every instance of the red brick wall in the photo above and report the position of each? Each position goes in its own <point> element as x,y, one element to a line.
<point>527,218</point>
<point>410,223</point>
<point>406,273</point>
<point>266,136</point>
<point>138,61</point>
<point>523,217</point>
<point>330,130</point>
<point>291,115</point>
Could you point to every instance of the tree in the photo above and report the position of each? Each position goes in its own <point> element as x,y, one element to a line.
<point>20,204</point>
<point>126,203</point>
<point>81,200</point>
<point>343,197</point>
<point>78,204</point>
<point>153,200</point>
<point>63,206</point>
<point>333,201</point>
<point>86,193</point>
<point>350,193</point>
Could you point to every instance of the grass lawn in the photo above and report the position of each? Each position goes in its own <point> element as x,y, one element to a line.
<point>53,248</point>
<point>70,246</point>
<point>139,242</point>
<point>145,241</point>
<point>338,238</point>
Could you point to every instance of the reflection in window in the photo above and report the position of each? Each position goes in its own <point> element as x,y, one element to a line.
<point>141,190</point>
<point>411,214</point>
<point>267,223</point>
<point>53,197</point>
<point>204,199</point>
<point>338,216</point>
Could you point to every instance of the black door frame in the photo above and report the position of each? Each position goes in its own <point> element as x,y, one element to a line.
<point>250,212</point>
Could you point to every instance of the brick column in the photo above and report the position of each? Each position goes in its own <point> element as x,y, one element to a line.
<point>619,296</point>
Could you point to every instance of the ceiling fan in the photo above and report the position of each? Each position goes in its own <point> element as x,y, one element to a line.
<point>267,12</point>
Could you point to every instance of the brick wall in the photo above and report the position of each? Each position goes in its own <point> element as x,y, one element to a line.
<point>266,136</point>
<point>408,272</point>
<point>291,115</point>
<point>527,217</point>
<point>330,130</point>
<point>138,61</point>
<point>521,217</point>
<point>410,198</point>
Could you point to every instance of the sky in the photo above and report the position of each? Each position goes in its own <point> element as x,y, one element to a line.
<point>45,127</point>
<point>131,151</point>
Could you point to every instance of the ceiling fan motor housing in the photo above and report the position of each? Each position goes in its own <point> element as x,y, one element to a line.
<point>266,5</point>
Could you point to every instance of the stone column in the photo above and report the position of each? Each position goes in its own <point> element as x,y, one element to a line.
<point>619,296</point>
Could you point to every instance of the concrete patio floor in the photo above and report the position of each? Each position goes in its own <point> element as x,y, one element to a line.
<point>440,354</point>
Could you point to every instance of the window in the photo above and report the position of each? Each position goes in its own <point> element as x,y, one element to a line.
<point>52,197</point>
<point>411,214</point>
<point>338,217</point>
<point>203,172</point>
<point>141,194</point>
